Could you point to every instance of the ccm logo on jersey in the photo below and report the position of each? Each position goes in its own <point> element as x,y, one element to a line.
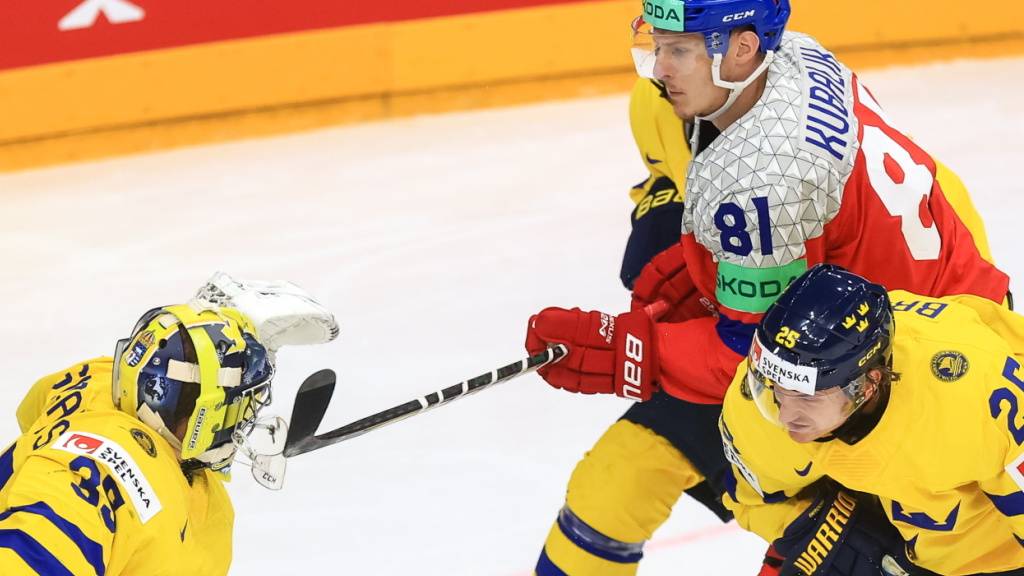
<point>121,466</point>
<point>631,371</point>
<point>738,16</point>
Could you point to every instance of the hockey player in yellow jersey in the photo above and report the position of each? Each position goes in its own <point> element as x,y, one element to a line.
<point>120,466</point>
<point>879,433</point>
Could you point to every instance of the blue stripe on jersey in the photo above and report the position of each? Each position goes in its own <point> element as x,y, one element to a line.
<point>34,554</point>
<point>735,334</point>
<point>729,479</point>
<point>545,567</point>
<point>6,466</point>
<point>596,543</point>
<point>1010,505</point>
<point>92,550</point>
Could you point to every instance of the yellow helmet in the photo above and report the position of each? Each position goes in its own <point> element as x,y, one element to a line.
<point>196,376</point>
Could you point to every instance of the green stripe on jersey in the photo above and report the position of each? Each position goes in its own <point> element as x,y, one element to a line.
<point>754,289</point>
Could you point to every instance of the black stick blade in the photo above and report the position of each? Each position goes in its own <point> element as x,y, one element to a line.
<point>311,404</point>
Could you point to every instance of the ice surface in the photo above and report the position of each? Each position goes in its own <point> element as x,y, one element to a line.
<point>433,239</point>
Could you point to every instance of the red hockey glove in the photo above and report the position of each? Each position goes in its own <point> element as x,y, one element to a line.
<point>666,278</point>
<point>772,563</point>
<point>607,354</point>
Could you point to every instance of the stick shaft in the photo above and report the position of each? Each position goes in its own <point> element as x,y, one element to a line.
<point>424,403</point>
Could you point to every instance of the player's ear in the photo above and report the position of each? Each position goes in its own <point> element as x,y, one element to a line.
<point>746,44</point>
<point>874,381</point>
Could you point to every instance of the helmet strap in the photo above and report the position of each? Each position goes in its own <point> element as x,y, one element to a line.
<point>154,421</point>
<point>219,458</point>
<point>864,418</point>
<point>735,89</point>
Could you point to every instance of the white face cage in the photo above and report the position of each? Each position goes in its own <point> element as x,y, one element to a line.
<point>260,441</point>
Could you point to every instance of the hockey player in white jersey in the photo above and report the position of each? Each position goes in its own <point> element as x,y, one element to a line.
<point>807,169</point>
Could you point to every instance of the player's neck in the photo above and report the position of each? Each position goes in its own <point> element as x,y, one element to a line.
<point>746,100</point>
<point>863,421</point>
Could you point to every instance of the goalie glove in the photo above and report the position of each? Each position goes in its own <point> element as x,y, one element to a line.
<point>283,313</point>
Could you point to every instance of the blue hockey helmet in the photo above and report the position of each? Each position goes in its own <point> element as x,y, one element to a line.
<point>717,18</point>
<point>826,330</point>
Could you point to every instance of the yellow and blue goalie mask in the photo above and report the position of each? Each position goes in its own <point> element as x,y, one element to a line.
<point>194,376</point>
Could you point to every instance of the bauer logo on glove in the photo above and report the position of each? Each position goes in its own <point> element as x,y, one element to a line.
<point>607,354</point>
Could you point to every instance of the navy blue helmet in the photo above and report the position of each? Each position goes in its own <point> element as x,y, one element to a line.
<point>831,325</point>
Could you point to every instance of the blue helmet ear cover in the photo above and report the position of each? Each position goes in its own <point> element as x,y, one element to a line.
<point>844,325</point>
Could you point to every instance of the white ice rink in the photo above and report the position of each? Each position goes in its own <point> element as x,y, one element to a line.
<point>433,239</point>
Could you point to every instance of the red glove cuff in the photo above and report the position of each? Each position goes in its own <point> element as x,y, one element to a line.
<point>635,355</point>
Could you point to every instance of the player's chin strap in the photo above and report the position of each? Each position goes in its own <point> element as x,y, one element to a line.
<point>735,89</point>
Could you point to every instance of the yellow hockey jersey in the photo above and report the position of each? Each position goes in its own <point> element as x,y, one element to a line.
<point>89,491</point>
<point>946,457</point>
<point>658,215</point>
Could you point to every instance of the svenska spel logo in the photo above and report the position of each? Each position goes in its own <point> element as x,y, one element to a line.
<point>86,444</point>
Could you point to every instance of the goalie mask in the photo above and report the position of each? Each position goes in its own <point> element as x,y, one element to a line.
<point>199,377</point>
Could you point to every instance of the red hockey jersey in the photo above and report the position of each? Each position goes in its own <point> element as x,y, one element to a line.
<point>815,172</point>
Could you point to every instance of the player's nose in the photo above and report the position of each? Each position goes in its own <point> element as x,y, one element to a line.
<point>662,71</point>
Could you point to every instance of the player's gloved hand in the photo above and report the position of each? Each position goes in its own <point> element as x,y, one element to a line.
<point>841,533</point>
<point>283,313</point>
<point>666,279</point>
<point>607,354</point>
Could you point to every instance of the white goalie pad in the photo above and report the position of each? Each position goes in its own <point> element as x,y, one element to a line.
<point>284,314</point>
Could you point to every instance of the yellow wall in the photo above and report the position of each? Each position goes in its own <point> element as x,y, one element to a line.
<point>128,103</point>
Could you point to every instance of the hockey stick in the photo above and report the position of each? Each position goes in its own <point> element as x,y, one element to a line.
<point>315,394</point>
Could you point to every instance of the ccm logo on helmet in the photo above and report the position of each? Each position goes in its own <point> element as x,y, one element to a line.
<point>652,9</point>
<point>631,369</point>
<point>738,16</point>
